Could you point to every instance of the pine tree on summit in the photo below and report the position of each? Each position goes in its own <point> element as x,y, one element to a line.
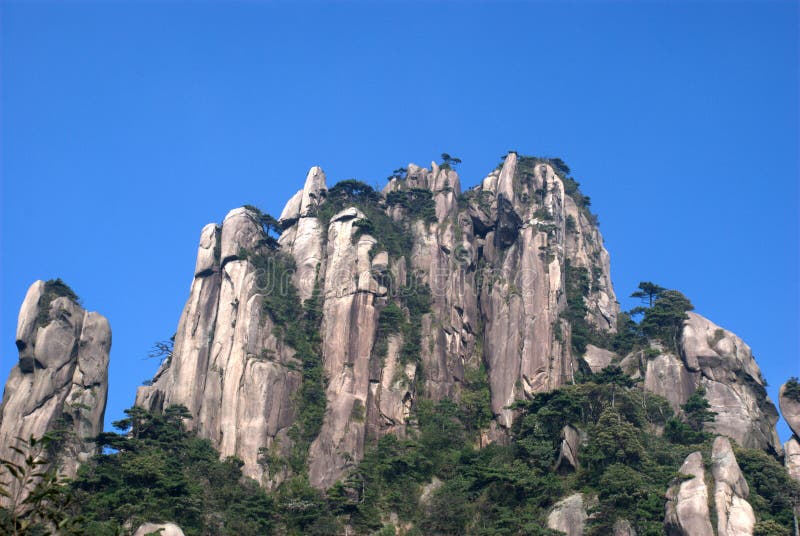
<point>648,291</point>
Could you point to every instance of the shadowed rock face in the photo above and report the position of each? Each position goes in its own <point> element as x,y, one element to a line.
<point>61,380</point>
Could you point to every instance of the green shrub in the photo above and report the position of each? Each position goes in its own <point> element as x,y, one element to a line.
<point>417,202</point>
<point>154,470</point>
<point>792,389</point>
<point>53,288</point>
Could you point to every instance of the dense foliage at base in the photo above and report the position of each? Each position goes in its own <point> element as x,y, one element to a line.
<point>434,481</point>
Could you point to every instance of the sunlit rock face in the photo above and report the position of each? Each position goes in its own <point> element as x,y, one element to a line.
<point>228,367</point>
<point>723,364</point>
<point>790,407</point>
<point>687,503</point>
<point>60,383</point>
<point>569,515</point>
<point>422,291</point>
<point>492,263</point>
<point>689,510</point>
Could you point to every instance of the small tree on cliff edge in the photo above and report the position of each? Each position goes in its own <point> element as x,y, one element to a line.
<point>449,162</point>
<point>664,320</point>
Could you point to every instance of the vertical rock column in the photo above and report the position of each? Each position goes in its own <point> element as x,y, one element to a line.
<point>789,400</point>
<point>228,367</point>
<point>348,333</point>
<point>61,381</point>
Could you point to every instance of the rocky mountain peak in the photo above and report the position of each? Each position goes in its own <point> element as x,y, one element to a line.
<point>60,384</point>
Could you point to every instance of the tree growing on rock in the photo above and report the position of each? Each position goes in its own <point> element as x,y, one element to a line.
<point>664,320</point>
<point>648,292</point>
<point>449,162</point>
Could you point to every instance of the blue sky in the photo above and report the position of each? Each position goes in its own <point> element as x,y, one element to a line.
<point>128,126</point>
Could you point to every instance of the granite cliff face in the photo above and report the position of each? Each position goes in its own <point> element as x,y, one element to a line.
<point>60,384</point>
<point>422,291</point>
<point>724,365</point>
<point>491,263</point>
<point>789,400</point>
<point>228,367</point>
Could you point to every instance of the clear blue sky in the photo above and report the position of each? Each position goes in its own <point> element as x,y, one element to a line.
<point>128,126</point>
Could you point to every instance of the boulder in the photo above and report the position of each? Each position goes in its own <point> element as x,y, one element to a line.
<point>735,516</point>
<point>791,451</point>
<point>598,358</point>
<point>163,529</point>
<point>571,441</point>
<point>569,514</point>
<point>789,400</point>
<point>623,527</point>
<point>687,512</point>
<point>723,364</point>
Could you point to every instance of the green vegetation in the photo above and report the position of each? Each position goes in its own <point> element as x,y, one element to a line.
<point>772,490</point>
<point>400,174</point>
<point>662,319</point>
<point>390,320</point>
<point>697,412</point>
<point>417,202</point>
<point>299,326</point>
<point>272,229</point>
<point>53,288</point>
<point>792,389</point>
<point>507,490</point>
<point>390,235</point>
<point>155,470</point>
<point>577,290</point>
<point>344,194</point>
<point>475,404</point>
<point>416,299</point>
<point>449,162</point>
<point>48,504</point>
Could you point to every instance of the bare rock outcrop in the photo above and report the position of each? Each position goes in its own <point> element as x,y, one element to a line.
<point>724,365</point>
<point>571,442</point>
<point>789,400</point>
<point>348,329</point>
<point>541,243</point>
<point>163,529</point>
<point>623,527</point>
<point>688,512</point>
<point>569,515</point>
<point>303,237</point>
<point>61,381</point>
<point>598,358</point>
<point>791,450</point>
<point>496,264</point>
<point>735,516</point>
<point>687,502</point>
<point>228,367</point>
